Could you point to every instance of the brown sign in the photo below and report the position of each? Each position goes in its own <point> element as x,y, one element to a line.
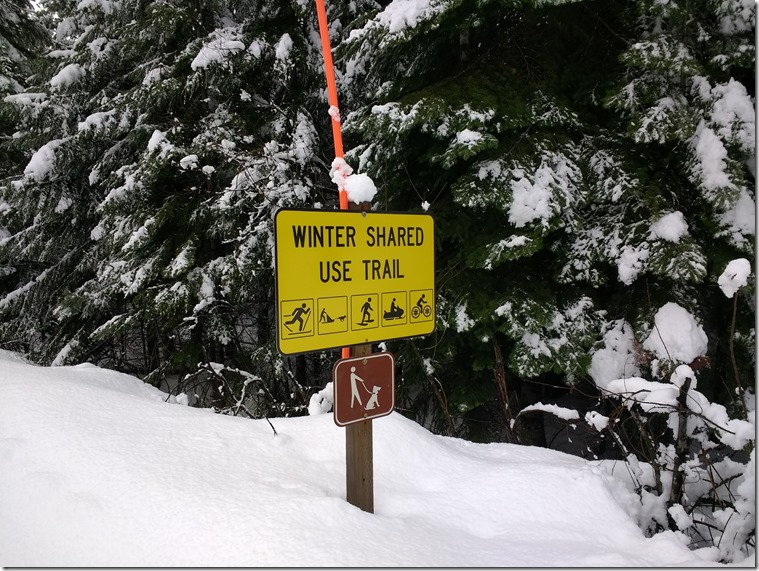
<point>364,388</point>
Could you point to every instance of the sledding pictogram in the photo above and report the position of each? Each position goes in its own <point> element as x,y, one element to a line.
<point>333,315</point>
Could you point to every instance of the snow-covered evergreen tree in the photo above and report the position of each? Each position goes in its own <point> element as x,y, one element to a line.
<point>168,133</point>
<point>483,116</point>
<point>687,104</point>
<point>591,171</point>
<point>554,219</point>
<point>22,37</point>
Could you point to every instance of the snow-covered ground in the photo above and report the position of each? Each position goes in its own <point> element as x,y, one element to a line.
<point>96,469</point>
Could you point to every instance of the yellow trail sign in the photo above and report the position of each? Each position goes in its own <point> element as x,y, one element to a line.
<point>348,277</point>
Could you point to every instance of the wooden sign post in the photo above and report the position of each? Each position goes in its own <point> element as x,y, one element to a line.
<point>359,456</point>
<point>359,444</point>
<point>364,389</point>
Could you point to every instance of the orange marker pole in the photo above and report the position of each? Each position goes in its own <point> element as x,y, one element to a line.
<point>359,461</point>
<point>329,72</point>
<point>337,136</point>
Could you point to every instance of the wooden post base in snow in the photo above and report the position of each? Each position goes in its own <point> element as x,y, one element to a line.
<point>359,456</point>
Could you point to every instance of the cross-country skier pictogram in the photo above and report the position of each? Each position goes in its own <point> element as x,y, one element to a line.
<point>297,315</point>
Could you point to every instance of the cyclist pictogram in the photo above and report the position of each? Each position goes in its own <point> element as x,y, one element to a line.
<point>421,308</point>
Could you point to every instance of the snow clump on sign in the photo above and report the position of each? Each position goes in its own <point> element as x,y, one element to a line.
<point>676,335</point>
<point>735,276</point>
<point>359,187</point>
<point>670,227</point>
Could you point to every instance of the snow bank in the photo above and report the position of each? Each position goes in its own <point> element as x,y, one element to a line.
<point>97,470</point>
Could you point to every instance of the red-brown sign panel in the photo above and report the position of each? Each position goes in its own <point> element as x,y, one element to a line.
<point>364,388</point>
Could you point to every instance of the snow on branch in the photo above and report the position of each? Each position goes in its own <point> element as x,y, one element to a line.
<point>558,411</point>
<point>735,276</point>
